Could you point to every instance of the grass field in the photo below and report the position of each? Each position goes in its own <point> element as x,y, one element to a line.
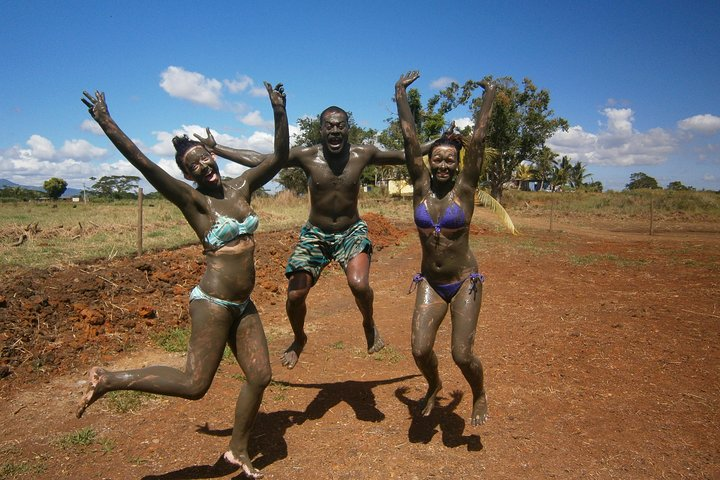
<point>64,232</point>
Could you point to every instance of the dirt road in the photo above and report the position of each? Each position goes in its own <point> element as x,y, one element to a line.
<point>601,351</point>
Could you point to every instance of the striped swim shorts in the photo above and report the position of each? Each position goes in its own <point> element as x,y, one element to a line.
<point>316,248</point>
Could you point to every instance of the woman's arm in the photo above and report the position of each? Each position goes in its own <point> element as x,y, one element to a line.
<point>473,163</point>
<point>413,153</point>
<point>178,192</point>
<point>265,171</point>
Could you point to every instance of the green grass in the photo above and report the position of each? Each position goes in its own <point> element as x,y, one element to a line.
<point>22,468</point>
<point>387,354</point>
<point>633,203</point>
<point>124,401</point>
<point>79,438</point>
<point>584,260</point>
<point>174,340</point>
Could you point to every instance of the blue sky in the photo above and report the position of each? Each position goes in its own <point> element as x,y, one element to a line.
<point>636,80</point>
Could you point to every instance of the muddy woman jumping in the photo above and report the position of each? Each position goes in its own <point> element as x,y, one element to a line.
<point>221,310</point>
<point>443,202</point>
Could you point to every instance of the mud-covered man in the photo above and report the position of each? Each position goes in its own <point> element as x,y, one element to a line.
<point>334,230</point>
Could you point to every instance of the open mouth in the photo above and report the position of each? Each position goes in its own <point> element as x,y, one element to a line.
<point>335,143</point>
<point>211,176</point>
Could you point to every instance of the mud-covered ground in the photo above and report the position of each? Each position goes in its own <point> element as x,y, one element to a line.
<point>601,346</point>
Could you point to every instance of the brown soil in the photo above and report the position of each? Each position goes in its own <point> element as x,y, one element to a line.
<point>601,350</point>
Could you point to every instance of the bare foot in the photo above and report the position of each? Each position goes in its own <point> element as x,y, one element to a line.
<point>91,393</point>
<point>374,342</point>
<point>243,462</point>
<point>428,403</point>
<point>480,411</point>
<point>290,356</point>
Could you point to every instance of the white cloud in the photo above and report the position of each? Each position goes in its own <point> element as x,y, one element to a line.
<point>617,144</point>
<point>91,126</point>
<point>192,86</point>
<point>81,149</point>
<point>239,85</point>
<point>441,82</point>
<point>41,147</point>
<point>706,124</point>
<point>254,119</point>
<point>464,122</point>
<point>259,91</point>
<point>709,177</point>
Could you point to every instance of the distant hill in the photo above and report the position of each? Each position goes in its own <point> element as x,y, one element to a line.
<point>70,192</point>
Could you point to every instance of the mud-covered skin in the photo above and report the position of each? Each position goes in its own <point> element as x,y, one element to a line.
<point>229,275</point>
<point>333,169</point>
<point>446,254</point>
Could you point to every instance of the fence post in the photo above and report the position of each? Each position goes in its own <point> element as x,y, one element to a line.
<point>652,215</point>
<point>140,222</point>
<point>552,212</point>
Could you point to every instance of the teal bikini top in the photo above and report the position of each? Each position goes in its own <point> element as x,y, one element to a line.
<point>226,229</point>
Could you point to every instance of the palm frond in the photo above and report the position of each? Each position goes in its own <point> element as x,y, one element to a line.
<point>487,201</point>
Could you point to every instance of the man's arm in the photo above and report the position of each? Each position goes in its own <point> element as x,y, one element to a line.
<point>248,158</point>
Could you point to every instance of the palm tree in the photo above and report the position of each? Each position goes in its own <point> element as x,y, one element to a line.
<point>577,175</point>
<point>561,172</point>
<point>544,166</point>
<point>524,174</point>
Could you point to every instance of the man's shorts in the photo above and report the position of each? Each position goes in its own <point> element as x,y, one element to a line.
<point>317,248</point>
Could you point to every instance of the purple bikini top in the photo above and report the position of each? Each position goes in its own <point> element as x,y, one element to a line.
<point>453,217</point>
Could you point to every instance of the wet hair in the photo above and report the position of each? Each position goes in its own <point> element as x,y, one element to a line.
<point>330,109</point>
<point>182,146</point>
<point>449,138</point>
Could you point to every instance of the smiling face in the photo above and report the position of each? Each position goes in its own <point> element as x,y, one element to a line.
<point>200,167</point>
<point>334,131</point>
<point>444,162</point>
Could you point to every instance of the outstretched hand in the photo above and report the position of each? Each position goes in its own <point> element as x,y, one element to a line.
<point>96,105</point>
<point>277,94</point>
<point>407,78</point>
<point>209,142</point>
<point>450,129</point>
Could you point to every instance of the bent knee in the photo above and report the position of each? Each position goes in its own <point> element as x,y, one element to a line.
<point>260,379</point>
<point>297,296</point>
<point>196,391</point>
<point>463,357</point>
<point>359,286</point>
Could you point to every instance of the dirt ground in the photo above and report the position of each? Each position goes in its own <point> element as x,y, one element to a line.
<point>601,347</point>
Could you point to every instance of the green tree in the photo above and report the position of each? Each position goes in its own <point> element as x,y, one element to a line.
<point>521,123</point>
<point>561,173</point>
<point>678,185</point>
<point>524,174</point>
<point>641,180</point>
<point>116,186</point>
<point>55,187</point>
<point>577,175</point>
<point>595,186</point>
<point>543,166</point>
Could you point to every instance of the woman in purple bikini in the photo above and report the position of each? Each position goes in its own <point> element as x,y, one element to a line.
<point>443,201</point>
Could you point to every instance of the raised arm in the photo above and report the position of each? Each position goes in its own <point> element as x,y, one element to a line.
<point>475,156</point>
<point>174,190</point>
<point>413,153</point>
<point>248,158</point>
<point>265,171</point>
